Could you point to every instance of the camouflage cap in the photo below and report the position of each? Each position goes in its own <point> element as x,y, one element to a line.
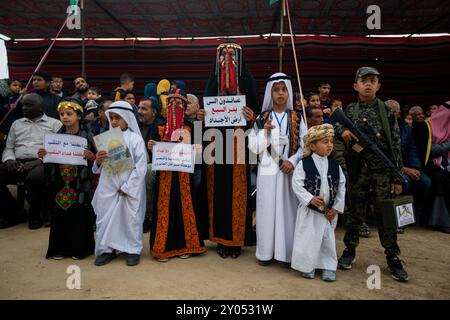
<point>364,71</point>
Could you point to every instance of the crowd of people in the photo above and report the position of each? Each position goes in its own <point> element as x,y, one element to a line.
<point>309,169</point>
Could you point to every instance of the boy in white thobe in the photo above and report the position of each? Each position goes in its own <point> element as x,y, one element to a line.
<point>319,184</point>
<point>119,200</point>
<point>277,138</point>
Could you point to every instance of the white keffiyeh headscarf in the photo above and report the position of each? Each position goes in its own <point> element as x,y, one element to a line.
<point>125,110</point>
<point>276,78</point>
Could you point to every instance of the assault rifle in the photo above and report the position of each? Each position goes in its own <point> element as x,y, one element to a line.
<point>363,140</point>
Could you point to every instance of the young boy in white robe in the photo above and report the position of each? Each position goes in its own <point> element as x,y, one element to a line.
<point>319,184</point>
<point>119,200</point>
<point>277,138</point>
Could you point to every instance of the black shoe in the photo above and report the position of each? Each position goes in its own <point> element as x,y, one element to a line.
<point>105,258</point>
<point>235,252</point>
<point>223,251</point>
<point>443,229</point>
<point>364,230</point>
<point>401,230</point>
<point>133,259</point>
<point>35,224</point>
<point>395,266</point>
<point>347,259</point>
<point>146,227</point>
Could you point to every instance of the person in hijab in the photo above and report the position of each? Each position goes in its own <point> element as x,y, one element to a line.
<point>279,142</point>
<point>119,200</point>
<point>227,191</point>
<point>175,223</point>
<point>162,91</point>
<point>150,90</point>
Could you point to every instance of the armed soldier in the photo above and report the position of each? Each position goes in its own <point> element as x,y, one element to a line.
<point>369,171</point>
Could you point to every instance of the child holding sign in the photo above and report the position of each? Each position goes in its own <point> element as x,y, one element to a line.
<point>119,200</point>
<point>71,233</point>
<point>176,227</point>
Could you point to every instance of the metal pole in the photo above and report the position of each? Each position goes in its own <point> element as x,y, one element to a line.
<point>296,62</point>
<point>281,43</point>
<point>83,49</point>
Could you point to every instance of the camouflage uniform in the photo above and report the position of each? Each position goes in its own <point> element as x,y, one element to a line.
<point>373,174</point>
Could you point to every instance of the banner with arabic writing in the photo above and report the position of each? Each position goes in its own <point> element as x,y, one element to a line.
<point>65,149</point>
<point>169,156</point>
<point>224,111</point>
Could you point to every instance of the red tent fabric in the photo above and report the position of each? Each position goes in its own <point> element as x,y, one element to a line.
<point>198,18</point>
<point>414,70</point>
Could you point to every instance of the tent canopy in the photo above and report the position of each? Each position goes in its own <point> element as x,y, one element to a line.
<point>200,18</point>
<point>414,70</point>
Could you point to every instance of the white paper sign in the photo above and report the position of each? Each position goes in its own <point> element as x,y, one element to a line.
<point>405,214</point>
<point>65,149</point>
<point>169,156</point>
<point>224,111</point>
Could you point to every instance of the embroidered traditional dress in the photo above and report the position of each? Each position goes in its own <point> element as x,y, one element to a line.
<point>71,233</point>
<point>227,186</point>
<point>175,222</point>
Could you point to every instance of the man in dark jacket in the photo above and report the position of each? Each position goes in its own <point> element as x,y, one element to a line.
<point>148,123</point>
<point>41,85</point>
<point>418,183</point>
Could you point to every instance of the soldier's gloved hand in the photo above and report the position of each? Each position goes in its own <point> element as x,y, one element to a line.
<point>13,165</point>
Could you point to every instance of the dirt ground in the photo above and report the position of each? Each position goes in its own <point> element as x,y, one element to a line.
<point>26,274</point>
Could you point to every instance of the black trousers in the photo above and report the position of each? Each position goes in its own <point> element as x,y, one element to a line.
<point>35,186</point>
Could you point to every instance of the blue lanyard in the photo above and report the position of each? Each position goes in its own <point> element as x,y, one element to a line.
<point>278,121</point>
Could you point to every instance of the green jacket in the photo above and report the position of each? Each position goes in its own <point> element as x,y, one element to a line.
<point>370,111</point>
